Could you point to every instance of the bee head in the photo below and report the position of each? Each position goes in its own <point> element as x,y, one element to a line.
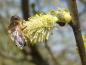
<point>14,21</point>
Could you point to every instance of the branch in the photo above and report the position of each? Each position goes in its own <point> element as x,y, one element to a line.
<point>76,29</point>
<point>25,8</point>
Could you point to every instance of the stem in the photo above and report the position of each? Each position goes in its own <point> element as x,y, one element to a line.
<point>76,29</point>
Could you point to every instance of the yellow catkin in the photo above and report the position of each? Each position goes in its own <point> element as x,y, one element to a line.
<point>36,27</point>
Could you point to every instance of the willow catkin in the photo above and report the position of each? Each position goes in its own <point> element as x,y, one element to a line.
<point>37,26</point>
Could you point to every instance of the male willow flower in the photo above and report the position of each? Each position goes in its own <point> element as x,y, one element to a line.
<point>38,27</point>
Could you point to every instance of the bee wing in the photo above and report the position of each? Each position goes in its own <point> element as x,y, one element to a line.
<point>18,38</point>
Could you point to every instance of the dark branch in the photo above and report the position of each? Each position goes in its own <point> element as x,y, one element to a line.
<point>76,29</point>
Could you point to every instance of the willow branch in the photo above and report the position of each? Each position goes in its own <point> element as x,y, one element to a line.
<point>76,29</point>
<point>25,8</point>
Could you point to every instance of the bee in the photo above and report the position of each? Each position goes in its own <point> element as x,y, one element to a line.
<point>14,30</point>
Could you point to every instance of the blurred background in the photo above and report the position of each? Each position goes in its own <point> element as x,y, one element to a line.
<point>61,47</point>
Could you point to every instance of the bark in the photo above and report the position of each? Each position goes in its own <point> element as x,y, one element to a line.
<point>76,29</point>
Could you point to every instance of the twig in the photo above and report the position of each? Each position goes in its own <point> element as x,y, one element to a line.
<point>25,9</point>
